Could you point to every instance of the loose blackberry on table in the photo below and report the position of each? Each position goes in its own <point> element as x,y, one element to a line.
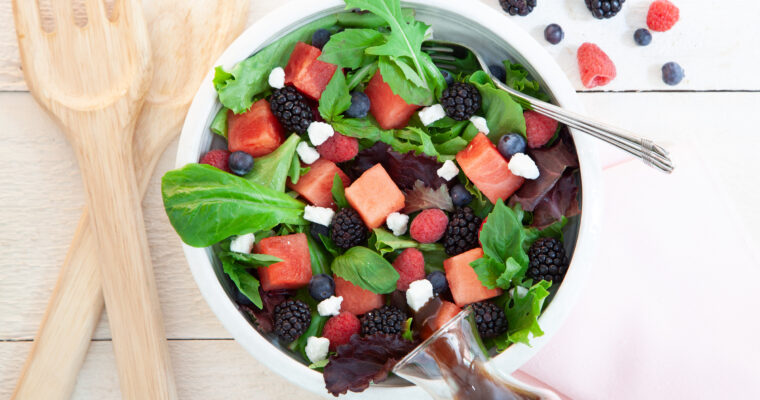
<point>348,229</point>
<point>490,319</point>
<point>386,319</point>
<point>518,7</point>
<point>548,260</point>
<point>461,100</point>
<point>291,318</point>
<point>604,8</point>
<point>462,231</point>
<point>291,109</point>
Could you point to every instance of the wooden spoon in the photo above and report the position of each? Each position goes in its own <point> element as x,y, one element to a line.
<point>186,37</point>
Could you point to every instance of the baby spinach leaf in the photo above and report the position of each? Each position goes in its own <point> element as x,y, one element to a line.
<point>219,124</point>
<point>246,283</point>
<point>366,269</point>
<point>205,205</point>
<point>339,192</point>
<point>273,169</point>
<point>330,246</point>
<point>503,114</point>
<point>347,49</point>
<point>355,20</point>
<point>295,172</point>
<point>362,128</point>
<point>361,75</point>
<point>335,99</point>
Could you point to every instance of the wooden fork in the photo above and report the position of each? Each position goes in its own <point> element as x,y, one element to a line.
<point>92,80</point>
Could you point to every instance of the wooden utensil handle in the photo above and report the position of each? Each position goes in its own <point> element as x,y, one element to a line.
<point>129,287</point>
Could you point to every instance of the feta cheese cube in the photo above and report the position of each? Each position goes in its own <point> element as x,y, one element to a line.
<point>318,215</point>
<point>307,153</point>
<point>397,223</point>
<point>448,171</point>
<point>319,132</point>
<point>330,306</point>
<point>243,243</point>
<point>419,293</point>
<point>277,78</point>
<point>521,292</point>
<point>317,348</point>
<point>522,165</point>
<point>480,123</point>
<point>430,114</point>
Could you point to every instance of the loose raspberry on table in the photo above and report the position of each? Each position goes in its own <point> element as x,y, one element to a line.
<point>410,265</point>
<point>429,226</point>
<point>595,66</point>
<point>539,129</point>
<point>340,328</point>
<point>217,158</point>
<point>339,148</point>
<point>662,15</point>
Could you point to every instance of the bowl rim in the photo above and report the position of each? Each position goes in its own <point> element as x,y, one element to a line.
<point>528,52</point>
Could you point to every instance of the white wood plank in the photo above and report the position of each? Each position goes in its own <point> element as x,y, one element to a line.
<point>203,369</point>
<point>712,43</point>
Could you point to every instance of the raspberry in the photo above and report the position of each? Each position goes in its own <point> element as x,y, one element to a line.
<point>339,148</point>
<point>340,328</point>
<point>595,66</point>
<point>217,158</point>
<point>539,129</point>
<point>429,226</point>
<point>662,16</point>
<point>410,265</point>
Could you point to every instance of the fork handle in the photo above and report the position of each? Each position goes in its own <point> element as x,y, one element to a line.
<point>129,288</point>
<point>644,149</point>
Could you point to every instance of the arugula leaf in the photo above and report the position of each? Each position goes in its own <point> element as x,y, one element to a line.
<point>246,283</point>
<point>335,99</point>
<point>522,313</point>
<point>518,79</point>
<point>366,269</point>
<point>361,75</point>
<point>273,169</point>
<point>339,192</point>
<point>355,20</point>
<point>248,78</point>
<point>412,91</point>
<point>362,128</point>
<point>219,124</point>
<point>346,49</point>
<point>205,205</point>
<point>408,334</point>
<point>503,114</point>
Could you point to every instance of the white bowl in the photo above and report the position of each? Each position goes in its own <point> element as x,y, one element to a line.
<point>467,22</point>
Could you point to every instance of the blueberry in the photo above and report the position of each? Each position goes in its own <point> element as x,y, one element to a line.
<point>359,105</point>
<point>319,229</point>
<point>448,77</point>
<point>642,37</point>
<point>321,286</point>
<point>240,163</point>
<point>498,72</point>
<point>460,195</point>
<point>672,73</point>
<point>553,33</point>
<point>320,38</point>
<point>511,144</point>
<point>438,280</point>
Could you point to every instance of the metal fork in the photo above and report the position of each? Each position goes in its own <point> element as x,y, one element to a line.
<point>448,55</point>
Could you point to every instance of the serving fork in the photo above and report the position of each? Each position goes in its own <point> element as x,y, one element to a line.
<point>449,56</point>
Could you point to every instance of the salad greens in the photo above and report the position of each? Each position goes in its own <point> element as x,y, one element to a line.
<point>339,192</point>
<point>366,269</point>
<point>503,114</point>
<point>273,169</point>
<point>335,99</point>
<point>368,20</point>
<point>219,124</point>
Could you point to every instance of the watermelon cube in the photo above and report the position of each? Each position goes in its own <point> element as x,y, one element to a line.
<point>446,312</point>
<point>355,299</point>
<point>316,185</point>
<point>488,170</point>
<point>294,271</point>
<point>256,131</point>
<point>465,286</point>
<point>309,75</point>
<point>388,108</point>
<point>375,196</point>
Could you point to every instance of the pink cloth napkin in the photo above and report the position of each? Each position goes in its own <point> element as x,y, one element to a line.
<point>672,309</point>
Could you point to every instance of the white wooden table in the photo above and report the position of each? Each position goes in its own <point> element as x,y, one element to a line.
<point>714,112</point>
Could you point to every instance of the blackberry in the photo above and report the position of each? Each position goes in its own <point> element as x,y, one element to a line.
<point>291,318</point>
<point>604,8</point>
<point>518,7</point>
<point>348,229</point>
<point>490,319</point>
<point>460,100</point>
<point>386,319</point>
<point>291,109</point>
<point>548,260</point>
<point>462,232</point>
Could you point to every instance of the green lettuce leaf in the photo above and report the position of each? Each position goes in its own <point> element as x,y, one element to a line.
<point>219,124</point>
<point>523,310</point>
<point>518,79</point>
<point>273,169</point>
<point>502,113</point>
<point>366,269</point>
<point>339,192</point>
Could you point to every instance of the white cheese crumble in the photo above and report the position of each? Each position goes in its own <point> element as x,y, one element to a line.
<point>522,165</point>
<point>318,215</point>
<point>277,78</point>
<point>419,293</point>
<point>319,132</point>
<point>307,153</point>
<point>330,306</point>
<point>428,34</point>
<point>480,123</point>
<point>448,171</point>
<point>243,243</point>
<point>430,114</point>
<point>521,292</point>
<point>397,223</point>
<point>316,348</point>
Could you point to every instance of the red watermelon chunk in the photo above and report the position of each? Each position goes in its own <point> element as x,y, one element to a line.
<point>294,271</point>
<point>309,75</point>
<point>464,283</point>
<point>488,170</point>
<point>375,196</point>
<point>316,185</point>
<point>355,299</point>
<point>388,108</point>
<point>256,131</point>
